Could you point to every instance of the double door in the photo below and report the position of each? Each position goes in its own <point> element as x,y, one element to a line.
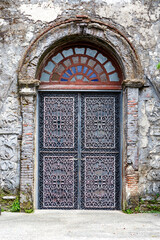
<point>79,150</point>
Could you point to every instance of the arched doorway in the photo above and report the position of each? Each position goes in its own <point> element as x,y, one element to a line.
<point>105,38</point>
<point>79,129</point>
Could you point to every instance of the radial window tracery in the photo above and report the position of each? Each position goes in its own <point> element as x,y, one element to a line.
<point>80,66</point>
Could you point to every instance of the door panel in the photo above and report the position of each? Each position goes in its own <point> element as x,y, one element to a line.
<point>99,120</point>
<point>79,149</point>
<point>58,142</point>
<point>58,181</point>
<point>100,150</point>
<point>99,182</point>
<point>58,122</point>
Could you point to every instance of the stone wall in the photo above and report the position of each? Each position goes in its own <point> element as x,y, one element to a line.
<point>149,144</point>
<point>22,21</point>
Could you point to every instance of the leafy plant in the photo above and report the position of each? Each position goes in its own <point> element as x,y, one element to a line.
<point>137,209</point>
<point>153,211</point>
<point>28,210</point>
<point>158,65</point>
<point>141,202</point>
<point>16,205</point>
<point>128,211</point>
<point>2,209</point>
<point>153,206</point>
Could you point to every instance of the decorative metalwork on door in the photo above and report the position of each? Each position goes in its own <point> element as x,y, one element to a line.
<point>58,122</point>
<point>99,122</point>
<point>99,182</point>
<point>58,181</point>
<point>58,143</point>
<point>79,148</point>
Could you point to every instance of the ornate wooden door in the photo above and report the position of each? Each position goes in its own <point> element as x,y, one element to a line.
<point>79,150</point>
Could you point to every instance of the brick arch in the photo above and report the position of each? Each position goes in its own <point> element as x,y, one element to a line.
<point>97,31</point>
<point>111,40</point>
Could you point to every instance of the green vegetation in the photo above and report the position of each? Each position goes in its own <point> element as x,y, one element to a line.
<point>150,206</point>
<point>27,205</point>
<point>6,204</point>
<point>28,210</point>
<point>16,205</point>
<point>128,211</point>
<point>158,65</point>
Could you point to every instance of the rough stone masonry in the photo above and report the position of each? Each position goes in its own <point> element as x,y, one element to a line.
<point>138,20</point>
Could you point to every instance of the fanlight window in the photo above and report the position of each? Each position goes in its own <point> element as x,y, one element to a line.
<point>80,66</point>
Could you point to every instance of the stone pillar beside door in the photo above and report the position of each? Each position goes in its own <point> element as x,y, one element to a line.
<point>27,91</point>
<point>131,156</point>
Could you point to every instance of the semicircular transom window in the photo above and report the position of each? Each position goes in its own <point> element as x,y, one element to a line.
<point>83,66</point>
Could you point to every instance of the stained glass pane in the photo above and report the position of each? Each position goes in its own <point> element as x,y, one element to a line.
<point>84,60</point>
<point>64,80</point>
<point>79,76</point>
<point>67,62</point>
<point>45,77</point>
<point>85,69</point>
<point>79,68</point>
<point>91,63</point>
<point>89,72</point>
<point>114,77</point>
<point>79,50</point>
<point>73,79</point>
<point>60,68</point>
<point>94,80</point>
<point>68,52</point>
<point>69,71</point>
<point>93,75</point>
<point>85,79</point>
<point>75,60</point>
<point>91,52</point>
<point>109,67</point>
<point>101,58</point>
<point>74,69</point>
<point>65,75</point>
<point>98,68</point>
<point>50,66</point>
<point>55,77</point>
<point>57,58</point>
<point>103,78</point>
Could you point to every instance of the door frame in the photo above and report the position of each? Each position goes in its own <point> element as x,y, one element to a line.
<point>120,132</point>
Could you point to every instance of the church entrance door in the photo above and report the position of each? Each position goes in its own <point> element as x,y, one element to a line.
<point>79,150</point>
